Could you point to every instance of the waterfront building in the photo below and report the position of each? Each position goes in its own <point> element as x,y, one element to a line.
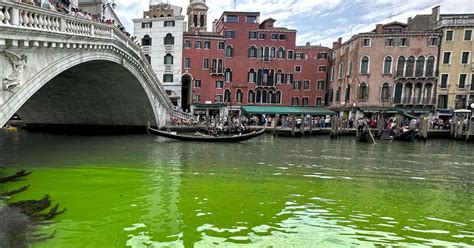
<point>160,33</point>
<point>456,63</point>
<point>246,61</point>
<point>393,66</point>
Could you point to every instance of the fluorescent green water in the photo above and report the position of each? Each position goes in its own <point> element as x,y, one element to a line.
<point>143,191</point>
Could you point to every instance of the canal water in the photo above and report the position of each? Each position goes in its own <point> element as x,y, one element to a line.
<point>145,191</point>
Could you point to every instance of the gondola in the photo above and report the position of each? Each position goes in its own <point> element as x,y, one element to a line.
<point>206,138</point>
<point>363,136</point>
<point>408,136</point>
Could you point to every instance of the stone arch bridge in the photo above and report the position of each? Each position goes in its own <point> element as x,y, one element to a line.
<point>58,69</point>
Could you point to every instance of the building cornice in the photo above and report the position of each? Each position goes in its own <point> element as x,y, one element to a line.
<point>166,18</point>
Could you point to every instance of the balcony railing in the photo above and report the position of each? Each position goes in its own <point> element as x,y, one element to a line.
<point>169,48</point>
<point>217,71</point>
<point>146,49</point>
<point>168,68</point>
<point>456,22</point>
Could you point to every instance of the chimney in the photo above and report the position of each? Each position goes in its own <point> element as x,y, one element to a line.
<point>378,28</point>
<point>214,23</point>
<point>434,16</point>
<point>339,41</point>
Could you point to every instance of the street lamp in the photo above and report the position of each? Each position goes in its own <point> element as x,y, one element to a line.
<point>105,6</point>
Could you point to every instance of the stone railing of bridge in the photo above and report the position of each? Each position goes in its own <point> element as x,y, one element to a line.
<point>24,17</point>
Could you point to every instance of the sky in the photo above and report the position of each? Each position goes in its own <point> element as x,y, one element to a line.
<point>317,21</point>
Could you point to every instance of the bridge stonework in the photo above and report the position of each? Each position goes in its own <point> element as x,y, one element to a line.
<point>58,69</point>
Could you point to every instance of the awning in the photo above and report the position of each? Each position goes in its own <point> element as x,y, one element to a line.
<point>283,110</point>
<point>209,106</point>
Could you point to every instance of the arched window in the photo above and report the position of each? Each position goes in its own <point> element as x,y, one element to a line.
<point>270,97</point>
<point>271,77</point>
<point>195,20</point>
<point>278,97</point>
<point>332,73</point>
<point>252,52</point>
<point>331,95</point>
<point>279,77</point>
<point>349,68</point>
<point>363,91</point>
<point>259,96</point>
<point>341,70</point>
<point>428,94</point>
<point>168,59</point>
<point>264,96</point>
<point>251,97</point>
<point>385,92</point>
<point>146,40</point>
<point>229,51</point>
<point>410,67</point>
<point>420,66</point>
<point>266,54</point>
<point>408,93</point>
<point>281,53</point>
<point>238,96</point>
<point>400,66</point>
<point>169,39</point>
<point>260,52</point>
<point>364,65</point>
<point>398,93</point>
<point>430,64</point>
<point>259,77</point>
<point>202,21</point>
<point>148,58</point>
<point>265,73</point>
<point>273,53</point>
<point>387,65</point>
<point>252,76</point>
<point>227,95</point>
<point>338,94</point>
<point>418,93</point>
<point>228,75</point>
<point>348,93</point>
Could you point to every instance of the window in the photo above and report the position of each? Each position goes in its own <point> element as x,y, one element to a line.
<point>187,44</point>
<point>230,34</point>
<point>348,93</point>
<point>338,94</point>
<point>363,91</point>
<point>385,93</point>
<point>169,40</point>
<point>430,64</point>
<point>365,42</point>
<point>251,97</point>
<point>420,67</point>
<point>219,84</point>
<point>322,55</point>
<point>279,77</point>
<point>253,52</point>
<point>332,73</point>
<point>444,81</point>
<point>364,65</point>
<point>187,63</point>
<point>272,52</point>
<point>228,75</point>
<point>207,45</point>
<point>229,51</point>
<point>403,42</point>
<point>227,95</point>
<point>343,51</point>
<point>297,85</point>
<point>400,66</point>
<point>252,35</point>
<point>297,68</point>
<point>196,98</point>
<point>389,42</point>
<point>205,64</point>
<point>462,80</point>
<point>169,23</point>
<point>341,71</point>
<point>319,101</point>
<point>290,54</point>
<point>168,59</point>
<point>218,98</point>
<point>146,41</point>
<point>281,53</point>
<point>465,58</point>
<point>306,85</point>
<point>432,41</point>
<point>266,54</point>
<point>410,67</point>
<point>305,101</point>
<point>221,45</point>
<point>472,84</point>
<point>349,69</point>
<point>198,44</point>
<point>278,97</point>
<point>282,37</point>
<point>147,24</point>
<point>252,77</point>
<point>397,98</point>
<point>197,83</point>
<point>251,19</point>
<point>467,35</point>
<point>322,68</point>
<point>232,18</point>
<point>167,78</point>
<point>320,85</point>
<point>387,65</point>
<point>442,101</point>
<point>274,36</point>
<point>295,101</point>
<point>449,35</point>
<point>261,36</point>
<point>238,96</point>
<point>446,58</point>
<point>289,78</point>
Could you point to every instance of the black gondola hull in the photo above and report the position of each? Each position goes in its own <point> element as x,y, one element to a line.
<point>228,139</point>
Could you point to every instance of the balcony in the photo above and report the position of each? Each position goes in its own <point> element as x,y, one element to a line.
<point>146,49</point>
<point>169,48</point>
<point>456,22</point>
<point>217,71</point>
<point>168,68</point>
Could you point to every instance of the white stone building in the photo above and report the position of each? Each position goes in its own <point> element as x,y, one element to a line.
<point>160,33</point>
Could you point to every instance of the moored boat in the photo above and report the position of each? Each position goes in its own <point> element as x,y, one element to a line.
<point>207,138</point>
<point>363,136</point>
<point>408,135</point>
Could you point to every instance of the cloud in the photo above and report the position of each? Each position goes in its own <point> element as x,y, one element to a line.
<point>317,21</point>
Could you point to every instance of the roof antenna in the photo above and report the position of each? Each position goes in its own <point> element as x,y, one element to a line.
<point>235,4</point>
